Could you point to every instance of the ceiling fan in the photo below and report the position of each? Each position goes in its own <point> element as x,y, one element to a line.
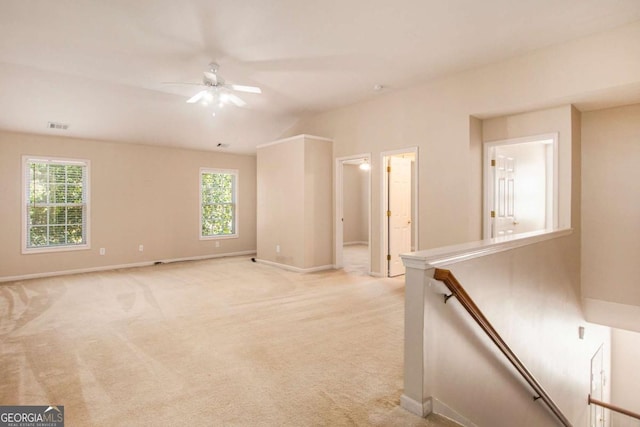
<point>216,90</point>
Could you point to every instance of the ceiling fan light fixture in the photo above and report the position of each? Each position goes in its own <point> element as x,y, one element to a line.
<point>217,91</point>
<point>207,98</point>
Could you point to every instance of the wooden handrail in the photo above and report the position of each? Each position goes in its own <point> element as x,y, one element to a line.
<point>614,408</point>
<point>458,291</point>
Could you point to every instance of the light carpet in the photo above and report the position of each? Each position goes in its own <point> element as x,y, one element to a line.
<point>220,342</point>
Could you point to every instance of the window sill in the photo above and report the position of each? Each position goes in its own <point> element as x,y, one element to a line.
<point>50,249</point>
<point>229,236</point>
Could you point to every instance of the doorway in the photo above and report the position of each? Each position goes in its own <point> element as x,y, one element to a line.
<point>520,185</point>
<point>399,208</point>
<point>353,214</point>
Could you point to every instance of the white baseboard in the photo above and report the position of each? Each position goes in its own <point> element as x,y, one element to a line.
<point>296,269</point>
<point>210,256</point>
<point>442,409</point>
<point>370,273</point>
<point>433,405</point>
<point>422,409</point>
<point>119,266</point>
<point>355,243</point>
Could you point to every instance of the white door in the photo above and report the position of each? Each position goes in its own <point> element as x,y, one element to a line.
<point>399,212</point>
<point>503,213</point>
<point>521,188</point>
<point>597,384</point>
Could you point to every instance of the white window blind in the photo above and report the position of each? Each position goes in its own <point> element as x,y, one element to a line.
<point>218,203</point>
<point>55,203</point>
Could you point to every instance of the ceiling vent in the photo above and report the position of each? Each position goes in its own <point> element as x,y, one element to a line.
<point>56,125</point>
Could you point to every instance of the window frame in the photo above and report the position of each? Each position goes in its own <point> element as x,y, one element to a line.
<point>26,160</point>
<point>236,223</point>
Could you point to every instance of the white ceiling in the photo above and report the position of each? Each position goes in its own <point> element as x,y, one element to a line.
<point>99,65</point>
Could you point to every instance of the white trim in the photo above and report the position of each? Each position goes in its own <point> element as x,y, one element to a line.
<point>339,208</point>
<point>355,243</point>
<point>236,202</point>
<point>292,138</point>
<point>296,269</point>
<point>440,257</point>
<point>384,266</point>
<point>420,409</point>
<point>50,249</point>
<point>87,192</point>
<point>487,176</point>
<point>219,237</point>
<point>433,405</point>
<point>440,408</point>
<point>120,266</point>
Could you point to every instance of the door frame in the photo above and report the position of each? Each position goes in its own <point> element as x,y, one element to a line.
<point>595,409</point>
<point>339,208</point>
<point>384,200</point>
<point>488,179</point>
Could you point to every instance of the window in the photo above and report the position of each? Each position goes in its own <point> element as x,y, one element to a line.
<point>218,203</point>
<point>56,204</point>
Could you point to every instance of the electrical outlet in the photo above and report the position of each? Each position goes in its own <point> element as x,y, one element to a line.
<point>277,249</point>
<point>217,244</point>
<point>103,251</point>
<point>141,248</point>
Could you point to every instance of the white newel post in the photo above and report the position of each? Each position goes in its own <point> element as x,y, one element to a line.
<point>415,397</point>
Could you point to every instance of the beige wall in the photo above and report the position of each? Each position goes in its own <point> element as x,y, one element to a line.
<point>625,375</point>
<point>611,211</point>
<point>435,117</point>
<point>318,199</point>
<point>280,210</point>
<point>139,195</point>
<point>355,204</point>
<point>294,202</point>
<point>529,294</point>
<point>576,174</point>
<point>475,186</point>
<point>365,178</point>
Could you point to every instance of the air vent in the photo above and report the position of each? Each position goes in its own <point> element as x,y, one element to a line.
<point>56,125</point>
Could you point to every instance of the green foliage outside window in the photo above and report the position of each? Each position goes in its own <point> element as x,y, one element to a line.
<point>218,204</point>
<point>56,204</point>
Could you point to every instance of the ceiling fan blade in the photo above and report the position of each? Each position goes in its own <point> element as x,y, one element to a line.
<point>197,97</point>
<point>213,78</point>
<point>235,100</point>
<point>182,83</point>
<point>243,88</point>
